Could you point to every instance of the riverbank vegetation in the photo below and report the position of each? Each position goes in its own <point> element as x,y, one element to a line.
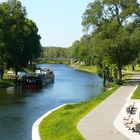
<point>91,69</point>
<point>6,83</point>
<point>111,40</point>
<point>62,124</point>
<point>19,39</point>
<point>54,55</point>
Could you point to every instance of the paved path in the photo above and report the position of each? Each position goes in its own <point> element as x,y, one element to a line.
<point>98,124</point>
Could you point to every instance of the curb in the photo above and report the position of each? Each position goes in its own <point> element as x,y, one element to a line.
<point>35,127</point>
<point>118,122</point>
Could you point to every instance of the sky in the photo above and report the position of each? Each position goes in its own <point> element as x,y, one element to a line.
<point>58,21</point>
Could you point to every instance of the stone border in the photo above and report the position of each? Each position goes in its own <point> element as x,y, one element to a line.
<point>118,123</point>
<point>35,127</point>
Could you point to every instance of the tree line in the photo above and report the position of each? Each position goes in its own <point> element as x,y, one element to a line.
<point>111,37</point>
<point>19,39</point>
<point>54,52</point>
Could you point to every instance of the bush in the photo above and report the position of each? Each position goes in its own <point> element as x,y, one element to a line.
<point>119,82</point>
<point>5,83</point>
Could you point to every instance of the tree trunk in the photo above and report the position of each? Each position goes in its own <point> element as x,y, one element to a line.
<point>115,73</point>
<point>1,73</point>
<point>119,71</point>
<point>16,72</point>
<point>104,79</point>
<point>119,66</point>
<point>133,67</point>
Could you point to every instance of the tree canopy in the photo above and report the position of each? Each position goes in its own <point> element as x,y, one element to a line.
<point>112,40</point>
<point>19,39</point>
<point>108,21</point>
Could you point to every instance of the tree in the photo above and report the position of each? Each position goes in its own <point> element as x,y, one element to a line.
<point>134,31</point>
<point>13,15</point>
<point>32,47</point>
<point>108,19</point>
<point>2,59</point>
<point>19,35</point>
<point>85,50</point>
<point>75,49</point>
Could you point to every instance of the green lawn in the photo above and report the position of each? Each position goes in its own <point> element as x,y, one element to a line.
<point>62,123</point>
<point>136,94</point>
<point>91,69</point>
<point>129,68</point>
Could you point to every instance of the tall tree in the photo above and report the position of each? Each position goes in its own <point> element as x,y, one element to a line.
<point>32,47</point>
<point>108,19</point>
<point>19,35</point>
<point>13,18</point>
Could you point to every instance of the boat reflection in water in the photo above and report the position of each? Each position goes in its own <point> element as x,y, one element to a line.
<point>40,78</point>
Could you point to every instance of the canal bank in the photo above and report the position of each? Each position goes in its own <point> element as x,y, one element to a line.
<point>90,69</point>
<point>19,109</point>
<point>35,128</point>
<point>61,124</point>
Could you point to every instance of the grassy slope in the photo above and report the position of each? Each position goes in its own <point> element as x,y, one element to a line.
<point>136,94</point>
<point>62,124</point>
<point>91,69</point>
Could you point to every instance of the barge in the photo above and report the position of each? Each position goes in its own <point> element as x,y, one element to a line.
<point>40,78</point>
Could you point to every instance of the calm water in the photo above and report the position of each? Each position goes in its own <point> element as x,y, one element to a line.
<point>19,109</point>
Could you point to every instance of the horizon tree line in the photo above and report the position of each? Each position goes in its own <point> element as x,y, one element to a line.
<point>111,37</point>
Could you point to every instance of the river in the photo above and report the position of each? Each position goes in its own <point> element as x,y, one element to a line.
<point>19,109</point>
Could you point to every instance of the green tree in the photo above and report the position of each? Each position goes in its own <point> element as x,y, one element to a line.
<point>19,35</point>
<point>32,47</point>
<point>13,15</point>
<point>75,49</point>
<point>108,19</point>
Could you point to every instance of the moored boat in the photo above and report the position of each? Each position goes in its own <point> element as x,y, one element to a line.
<point>40,78</point>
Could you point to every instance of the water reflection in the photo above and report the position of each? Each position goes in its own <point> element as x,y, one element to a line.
<point>20,108</point>
<point>10,90</point>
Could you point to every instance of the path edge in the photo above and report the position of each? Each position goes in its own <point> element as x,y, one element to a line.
<point>119,117</point>
<point>35,127</point>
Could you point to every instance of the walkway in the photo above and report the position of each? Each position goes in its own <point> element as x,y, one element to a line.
<point>98,124</point>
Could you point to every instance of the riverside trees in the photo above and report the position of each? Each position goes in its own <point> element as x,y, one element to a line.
<point>19,39</point>
<point>114,31</point>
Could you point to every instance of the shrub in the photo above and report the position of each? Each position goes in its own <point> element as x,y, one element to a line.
<point>119,82</point>
<point>5,83</point>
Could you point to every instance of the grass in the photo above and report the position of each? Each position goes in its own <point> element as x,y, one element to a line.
<point>91,69</point>
<point>136,94</point>
<point>129,68</point>
<point>62,123</point>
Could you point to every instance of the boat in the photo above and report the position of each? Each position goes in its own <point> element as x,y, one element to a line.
<point>40,78</point>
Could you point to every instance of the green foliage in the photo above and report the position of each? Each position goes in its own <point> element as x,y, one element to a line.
<point>54,52</point>
<point>54,55</point>
<point>5,83</point>
<point>119,82</point>
<point>19,41</point>
<point>82,50</point>
<point>62,124</point>
<point>91,69</point>
<point>114,43</point>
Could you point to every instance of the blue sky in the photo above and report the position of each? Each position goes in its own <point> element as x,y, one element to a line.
<point>59,21</point>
